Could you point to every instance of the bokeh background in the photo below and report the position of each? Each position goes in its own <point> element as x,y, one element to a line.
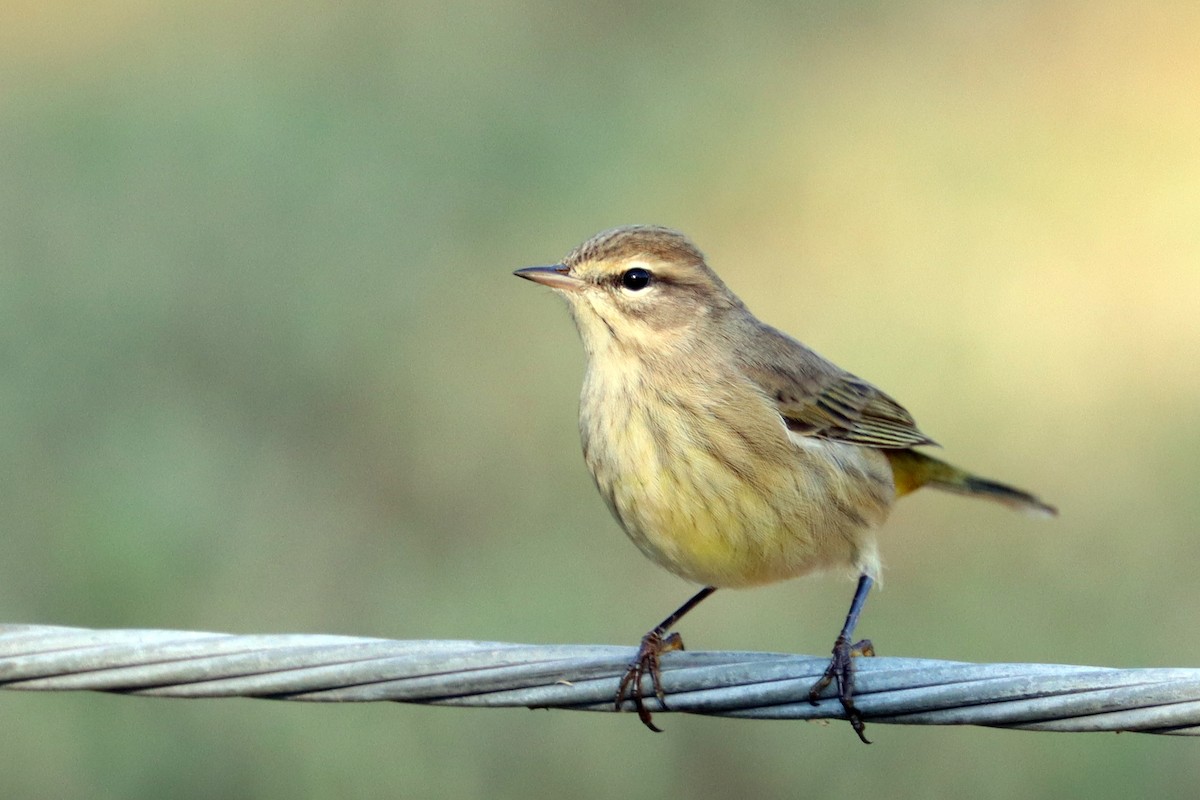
<point>265,368</point>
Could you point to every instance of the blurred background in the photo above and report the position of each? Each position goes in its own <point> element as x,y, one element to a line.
<point>265,368</point>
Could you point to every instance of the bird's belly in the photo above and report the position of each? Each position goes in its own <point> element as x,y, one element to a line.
<point>720,511</point>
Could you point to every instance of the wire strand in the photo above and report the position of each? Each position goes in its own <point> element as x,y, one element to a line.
<point>326,668</point>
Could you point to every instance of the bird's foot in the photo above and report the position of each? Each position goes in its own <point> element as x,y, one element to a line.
<point>646,662</point>
<point>841,670</point>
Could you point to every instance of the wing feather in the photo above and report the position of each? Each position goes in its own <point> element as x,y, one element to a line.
<point>819,399</point>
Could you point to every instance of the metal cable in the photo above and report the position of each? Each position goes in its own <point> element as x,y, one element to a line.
<point>325,668</point>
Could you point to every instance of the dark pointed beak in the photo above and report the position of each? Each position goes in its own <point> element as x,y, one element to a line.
<point>556,277</point>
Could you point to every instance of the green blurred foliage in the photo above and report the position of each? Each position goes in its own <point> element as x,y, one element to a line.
<point>265,368</point>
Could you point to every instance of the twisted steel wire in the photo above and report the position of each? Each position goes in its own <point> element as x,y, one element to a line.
<point>325,668</point>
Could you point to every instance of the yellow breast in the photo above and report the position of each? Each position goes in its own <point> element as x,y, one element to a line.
<point>709,485</point>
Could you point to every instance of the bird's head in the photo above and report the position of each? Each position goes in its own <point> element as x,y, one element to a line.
<point>638,288</point>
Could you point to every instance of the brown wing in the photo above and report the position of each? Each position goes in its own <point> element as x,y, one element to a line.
<point>817,398</point>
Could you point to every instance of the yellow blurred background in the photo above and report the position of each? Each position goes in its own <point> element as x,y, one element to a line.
<point>265,368</point>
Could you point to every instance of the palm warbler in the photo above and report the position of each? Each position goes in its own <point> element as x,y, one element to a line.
<point>730,453</point>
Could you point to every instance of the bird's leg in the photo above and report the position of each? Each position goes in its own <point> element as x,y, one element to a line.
<point>841,666</point>
<point>646,662</point>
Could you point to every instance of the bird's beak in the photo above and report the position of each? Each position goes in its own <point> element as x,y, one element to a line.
<point>556,277</point>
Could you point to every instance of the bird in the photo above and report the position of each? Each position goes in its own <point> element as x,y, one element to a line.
<point>730,453</point>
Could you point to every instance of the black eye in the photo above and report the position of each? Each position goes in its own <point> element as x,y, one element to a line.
<point>636,279</point>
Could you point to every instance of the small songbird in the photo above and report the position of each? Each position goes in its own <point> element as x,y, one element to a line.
<point>730,453</point>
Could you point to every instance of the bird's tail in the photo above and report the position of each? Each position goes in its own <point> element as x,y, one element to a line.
<point>912,470</point>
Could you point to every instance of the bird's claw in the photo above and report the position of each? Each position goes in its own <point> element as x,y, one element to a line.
<point>841,671</point>
<point>646,662</point>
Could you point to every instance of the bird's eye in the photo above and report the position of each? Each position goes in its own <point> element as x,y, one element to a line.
<point>636,279</point>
